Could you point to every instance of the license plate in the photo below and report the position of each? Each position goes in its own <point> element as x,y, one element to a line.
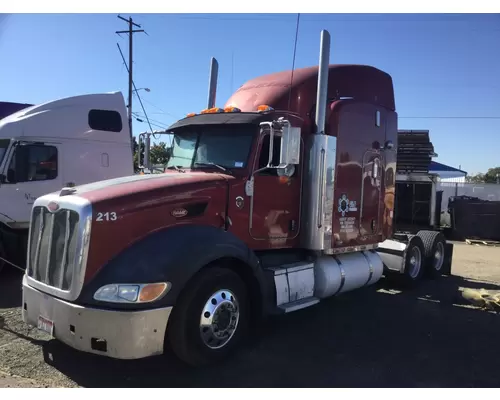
<point>46,325</point>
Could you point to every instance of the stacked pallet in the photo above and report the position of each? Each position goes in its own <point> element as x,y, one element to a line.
<point>415,151</point>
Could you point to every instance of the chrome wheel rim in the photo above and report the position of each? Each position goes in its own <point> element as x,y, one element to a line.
<point>438,259</point>
<point>219,319</point>
<point>415,262</point>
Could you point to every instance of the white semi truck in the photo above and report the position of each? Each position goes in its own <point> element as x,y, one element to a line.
<point>43,148</point>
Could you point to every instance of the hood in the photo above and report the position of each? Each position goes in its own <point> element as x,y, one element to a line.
<point>137,184</point>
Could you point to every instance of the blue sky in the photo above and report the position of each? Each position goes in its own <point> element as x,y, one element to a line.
<point>442,65</point>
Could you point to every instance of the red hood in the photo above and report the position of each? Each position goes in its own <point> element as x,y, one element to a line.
<point>136,184</point>
<point>143,204</point>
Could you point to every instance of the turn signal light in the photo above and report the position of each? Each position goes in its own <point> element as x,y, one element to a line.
<point>151,292</point>
<point>212,110</point>
<point>232,109</point>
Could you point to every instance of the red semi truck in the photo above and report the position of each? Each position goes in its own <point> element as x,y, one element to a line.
<point>267,206</point>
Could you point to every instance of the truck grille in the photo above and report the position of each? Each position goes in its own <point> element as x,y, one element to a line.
<point>53,247</point>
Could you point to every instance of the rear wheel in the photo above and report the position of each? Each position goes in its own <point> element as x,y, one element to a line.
<point>211,317</point>
<point>434,255</point>
<point>414,266</point>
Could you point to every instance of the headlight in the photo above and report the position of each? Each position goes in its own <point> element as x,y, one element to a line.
<point>132,293</point>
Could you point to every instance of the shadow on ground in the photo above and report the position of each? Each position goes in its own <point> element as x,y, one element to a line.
<point>376,337</point>
<point>10,287</point>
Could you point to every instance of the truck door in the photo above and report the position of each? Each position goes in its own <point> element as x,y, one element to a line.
<point>275,204</point>
<point>32,171</point>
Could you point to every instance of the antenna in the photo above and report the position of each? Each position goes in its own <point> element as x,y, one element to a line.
<point>293,61</point>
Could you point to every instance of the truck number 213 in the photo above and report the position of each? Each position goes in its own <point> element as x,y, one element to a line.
<point>107,216</point>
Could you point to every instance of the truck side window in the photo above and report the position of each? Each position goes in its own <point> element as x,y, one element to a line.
<point>105,120</point>
<point>34,163</point>
<point>264,155</point>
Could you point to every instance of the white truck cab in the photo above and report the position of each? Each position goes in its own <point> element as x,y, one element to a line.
<point>43,148</point>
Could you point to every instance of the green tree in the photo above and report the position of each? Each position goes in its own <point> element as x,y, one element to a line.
<point>160,153</point>
<point>491,176</point>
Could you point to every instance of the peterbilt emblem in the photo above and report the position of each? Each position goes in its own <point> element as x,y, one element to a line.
<point>179,212</point>
<point>240,202</point>
<point>53,206</point>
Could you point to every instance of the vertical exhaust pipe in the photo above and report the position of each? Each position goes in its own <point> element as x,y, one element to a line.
<point>322,94</point>
<point>212,83</point>
<point>317,215</point>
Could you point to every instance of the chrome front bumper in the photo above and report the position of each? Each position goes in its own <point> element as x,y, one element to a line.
<point>116,334</point>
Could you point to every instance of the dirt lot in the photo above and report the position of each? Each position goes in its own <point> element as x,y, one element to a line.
<point>376,337</point>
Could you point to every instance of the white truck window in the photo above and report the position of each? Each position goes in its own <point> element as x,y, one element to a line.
<point>33,163</point>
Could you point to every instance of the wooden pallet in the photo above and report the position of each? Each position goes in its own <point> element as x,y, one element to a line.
<point>480,242</point>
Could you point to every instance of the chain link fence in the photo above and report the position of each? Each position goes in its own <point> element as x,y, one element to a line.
<point>483,191</point>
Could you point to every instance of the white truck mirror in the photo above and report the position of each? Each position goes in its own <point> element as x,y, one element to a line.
<point>290,145</point>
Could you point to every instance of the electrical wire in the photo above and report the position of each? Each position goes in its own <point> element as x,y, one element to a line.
<point>135,88</point>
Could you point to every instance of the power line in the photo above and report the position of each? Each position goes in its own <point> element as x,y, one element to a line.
<point>151,119</point>
<point>163,111</point>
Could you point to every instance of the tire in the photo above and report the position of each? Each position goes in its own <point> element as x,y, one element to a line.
<point>214,292</point>
<point>435,245</point>
<point>414,262</point>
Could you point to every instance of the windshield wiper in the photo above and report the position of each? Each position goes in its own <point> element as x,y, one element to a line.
<point>211,164</point>
<point>176,167</point>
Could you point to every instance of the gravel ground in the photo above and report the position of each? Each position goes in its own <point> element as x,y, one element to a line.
<point>375,337</point>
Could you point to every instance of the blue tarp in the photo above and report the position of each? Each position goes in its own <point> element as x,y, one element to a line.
<point>438,167</point>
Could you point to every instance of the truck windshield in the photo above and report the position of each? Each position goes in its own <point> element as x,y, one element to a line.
<point>226,146</point>
<point>4,144</point>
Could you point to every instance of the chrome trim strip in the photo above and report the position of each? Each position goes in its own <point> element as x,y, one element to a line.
<point>38,243</point>
<point>65,251</point>
<point>49,247</point>
<point>342,276</point>
<point>370,266</point>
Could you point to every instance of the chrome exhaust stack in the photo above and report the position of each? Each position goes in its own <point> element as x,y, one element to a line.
<point>212,83</point>
<point>322,91</point>
<point>317,210</point>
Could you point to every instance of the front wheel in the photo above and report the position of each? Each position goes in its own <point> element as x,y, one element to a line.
<point>211,317</point>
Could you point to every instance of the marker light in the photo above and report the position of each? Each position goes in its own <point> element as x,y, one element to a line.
<point>264,108</point>
<point>212,110</point>
<point>190,115</point>
<point>131,293</point>
<point>231,109</point>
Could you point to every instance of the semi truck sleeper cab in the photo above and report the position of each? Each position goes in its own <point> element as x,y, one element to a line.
<point>263,209</point>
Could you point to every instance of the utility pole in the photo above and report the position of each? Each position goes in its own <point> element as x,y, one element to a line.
<point>130,32</point>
